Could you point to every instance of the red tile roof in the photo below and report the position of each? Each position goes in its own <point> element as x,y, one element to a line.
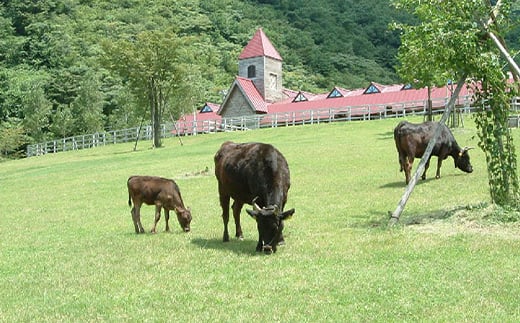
<point>251,94</point>
<point>260,45</point>
<point>391,95</point>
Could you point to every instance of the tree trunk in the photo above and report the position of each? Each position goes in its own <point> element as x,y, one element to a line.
<point>155,112</point>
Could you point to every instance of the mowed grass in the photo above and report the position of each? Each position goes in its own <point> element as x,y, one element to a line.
<point>69,251</point>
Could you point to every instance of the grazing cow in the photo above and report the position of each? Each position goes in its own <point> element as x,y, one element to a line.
<point>257,174</point>
<point>161,192</point>
<point>411,141</point>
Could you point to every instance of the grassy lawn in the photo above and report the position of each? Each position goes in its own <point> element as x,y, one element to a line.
<point>69,251</point>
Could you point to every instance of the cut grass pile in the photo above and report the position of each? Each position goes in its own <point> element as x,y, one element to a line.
<point>69,251</point>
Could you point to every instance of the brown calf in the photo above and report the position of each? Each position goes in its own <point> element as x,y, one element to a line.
<point>161,192</point>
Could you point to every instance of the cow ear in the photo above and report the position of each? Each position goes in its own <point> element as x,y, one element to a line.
<point>287,214</point>
<point>252,213</point>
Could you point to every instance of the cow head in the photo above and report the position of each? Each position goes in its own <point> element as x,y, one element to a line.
<point>269,222</point>
<point>184,218</point>
<point>462,160</point>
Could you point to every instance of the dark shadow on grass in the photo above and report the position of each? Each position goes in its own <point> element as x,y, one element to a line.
<point>402,184</point>
<point>386,135</point>
<point>380,219</point>
<point>240,247</point>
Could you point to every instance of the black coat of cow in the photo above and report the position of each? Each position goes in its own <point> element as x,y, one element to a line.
<point>411,141</point>
<point>161,192</point>
<point>256,174</point>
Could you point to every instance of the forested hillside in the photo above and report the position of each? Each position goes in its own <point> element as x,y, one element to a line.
<point>55,80</point>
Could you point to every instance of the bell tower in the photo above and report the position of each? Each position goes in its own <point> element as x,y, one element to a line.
<point>261,63</point>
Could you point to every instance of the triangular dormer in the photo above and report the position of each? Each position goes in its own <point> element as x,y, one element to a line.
<point>407,86</point>
<point>335,93</point>
<point>300,97</point>
<point>372,89</point>
<point>261,63</point>
<point>206,109</point>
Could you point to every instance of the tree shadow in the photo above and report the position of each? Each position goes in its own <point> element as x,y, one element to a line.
<point>379,219</point>
<point>239,247</point>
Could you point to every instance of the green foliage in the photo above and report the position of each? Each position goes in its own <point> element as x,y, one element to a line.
<point>12,136</point>
<point>25,100</point>
<point>434,52</point>
<point>494,98</point>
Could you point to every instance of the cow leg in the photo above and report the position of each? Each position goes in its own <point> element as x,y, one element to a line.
<point>134,220</point>
<point>136,217</point>
<point>224,203</point>
<point>439,164</point>
<point>237,207</point>
<point>167,218</point>
<point>426,168</point>
<point>281,241</point>
<point>402,161</point>
<point>408,168</point>
<point>157,217</point>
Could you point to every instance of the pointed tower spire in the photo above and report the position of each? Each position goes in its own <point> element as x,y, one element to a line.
<point>258,46</point>
<point>261,63</point>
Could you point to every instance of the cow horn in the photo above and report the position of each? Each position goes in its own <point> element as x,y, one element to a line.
<point>255,206</point>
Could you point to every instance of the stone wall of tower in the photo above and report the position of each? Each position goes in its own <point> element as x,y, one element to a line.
<point>268,76</point>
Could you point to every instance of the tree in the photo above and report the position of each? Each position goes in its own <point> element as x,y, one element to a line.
<point>452,40</point>
<point>154,65</point>
<point>12,137</point>
<point>24,99</point>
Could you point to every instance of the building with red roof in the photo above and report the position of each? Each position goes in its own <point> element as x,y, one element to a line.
<point>258,90</point>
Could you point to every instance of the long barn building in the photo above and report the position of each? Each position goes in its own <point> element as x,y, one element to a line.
<point>258,91</point>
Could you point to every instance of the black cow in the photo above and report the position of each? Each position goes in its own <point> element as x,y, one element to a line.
<point>256,174</point>
<point>411,141</point>
<point>161,192</point>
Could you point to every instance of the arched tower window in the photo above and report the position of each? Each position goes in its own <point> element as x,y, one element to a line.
<point>251,71</point>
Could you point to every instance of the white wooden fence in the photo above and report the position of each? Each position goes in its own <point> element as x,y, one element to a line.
<point>195,127</point>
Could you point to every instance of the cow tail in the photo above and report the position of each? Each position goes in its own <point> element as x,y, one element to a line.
<point>129,200</point>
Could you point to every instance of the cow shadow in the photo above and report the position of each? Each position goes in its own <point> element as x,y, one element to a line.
<point>385,135</point>
<point>402,184</point>
<point>239,247</point>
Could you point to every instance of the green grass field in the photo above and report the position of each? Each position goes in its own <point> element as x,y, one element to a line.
<point>69,251</point>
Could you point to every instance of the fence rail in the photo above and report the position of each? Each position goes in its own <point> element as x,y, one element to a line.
<point>195,127</point>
